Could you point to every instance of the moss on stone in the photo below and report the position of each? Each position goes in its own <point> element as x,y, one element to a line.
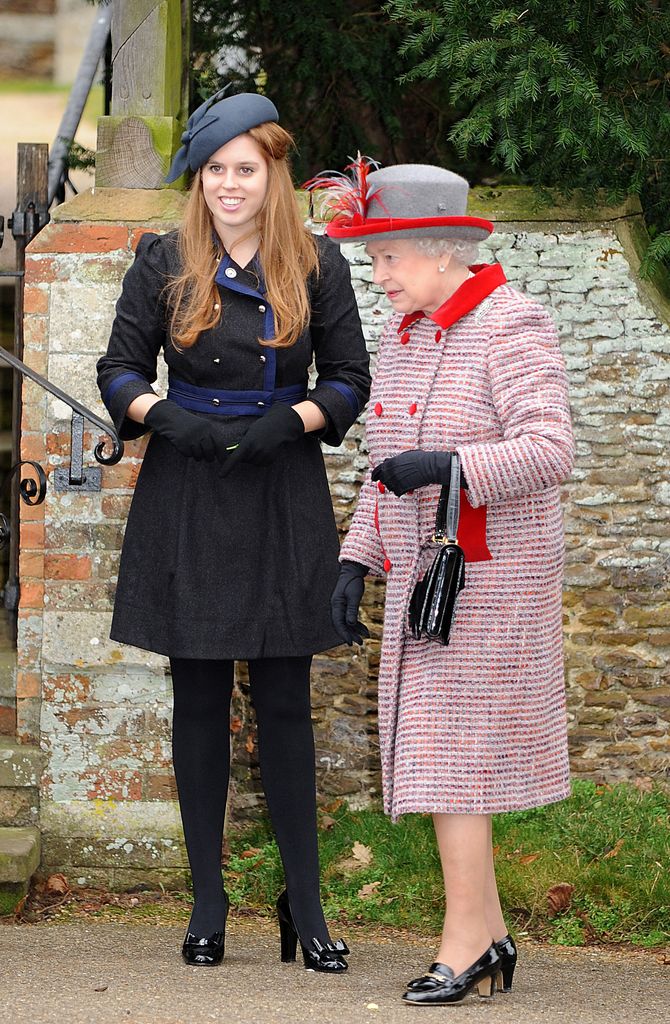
<point>634,239</point>
<point>518,203</point>
<point>11,895</point>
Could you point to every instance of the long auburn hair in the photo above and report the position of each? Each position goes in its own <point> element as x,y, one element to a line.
<point>287,251</point>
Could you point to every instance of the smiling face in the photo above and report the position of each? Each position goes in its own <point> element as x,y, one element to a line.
<point>234,186</point>
<point>411,279</point>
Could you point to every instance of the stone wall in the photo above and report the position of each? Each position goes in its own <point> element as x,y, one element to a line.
<point>101,711</point>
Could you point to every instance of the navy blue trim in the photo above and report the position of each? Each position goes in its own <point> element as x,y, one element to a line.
<point>270,370</point>
<point>118,382</point>
<point>343,389</point>
<point>225,402</point>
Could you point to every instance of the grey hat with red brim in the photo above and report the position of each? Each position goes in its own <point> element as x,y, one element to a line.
<point>403,201</point>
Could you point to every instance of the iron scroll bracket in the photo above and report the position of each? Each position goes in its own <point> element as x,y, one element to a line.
<point>77,477</point>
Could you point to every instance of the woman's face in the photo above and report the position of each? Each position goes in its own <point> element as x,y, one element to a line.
<point>410,279</point>
<point>234,185</point>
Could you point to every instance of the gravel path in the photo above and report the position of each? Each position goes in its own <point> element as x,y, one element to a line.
<point>94,973</point>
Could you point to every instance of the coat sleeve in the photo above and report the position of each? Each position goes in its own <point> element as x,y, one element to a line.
<point>128,368</point>
<point>363,543</point>
<point>529,388</point>
<point>342,363</point>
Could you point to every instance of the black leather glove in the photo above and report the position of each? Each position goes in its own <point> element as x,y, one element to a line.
<point>266,435</point>
<point>409,470</point>
<point>197,437</point>
<point>345,602</point>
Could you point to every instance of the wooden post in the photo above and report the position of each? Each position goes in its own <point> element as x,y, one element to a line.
<point>31,201</point>
<point>150,77</point>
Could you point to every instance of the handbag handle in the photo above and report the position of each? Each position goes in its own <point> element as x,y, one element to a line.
<point>449,505</point>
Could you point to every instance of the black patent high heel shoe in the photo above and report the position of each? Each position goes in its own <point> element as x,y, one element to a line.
<point>318,956</point>
<point>507,952</point>
<point>209,951</point>
<point>441,986</point>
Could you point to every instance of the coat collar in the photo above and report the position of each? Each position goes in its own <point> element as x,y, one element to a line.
<point>487,277</point>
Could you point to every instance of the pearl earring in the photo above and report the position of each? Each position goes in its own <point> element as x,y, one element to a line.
<point>441,269</point>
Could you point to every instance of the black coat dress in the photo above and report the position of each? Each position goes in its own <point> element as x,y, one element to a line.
<point>241,567</point>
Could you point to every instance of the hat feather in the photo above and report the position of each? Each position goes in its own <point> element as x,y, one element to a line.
<point>347,196</point>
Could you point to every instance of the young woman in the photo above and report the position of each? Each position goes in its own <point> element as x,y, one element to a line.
<point>231,549</point>
<point>470,366</point>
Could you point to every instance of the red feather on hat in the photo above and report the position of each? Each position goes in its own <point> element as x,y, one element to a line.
<point>347,196</point>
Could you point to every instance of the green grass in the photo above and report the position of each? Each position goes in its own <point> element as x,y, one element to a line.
<point>623,897</point>
<point>29,85</point>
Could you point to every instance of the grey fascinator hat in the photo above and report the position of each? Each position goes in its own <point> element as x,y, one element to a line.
<point>218,120</point>
<point>400,201</point>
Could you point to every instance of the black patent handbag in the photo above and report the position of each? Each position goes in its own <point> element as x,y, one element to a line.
<point>433,603</point>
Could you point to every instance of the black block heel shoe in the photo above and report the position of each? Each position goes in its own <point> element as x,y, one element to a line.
<point>506,950</point>
<point>206,952</point>
<point>318,956</point>
<point>440,986</point>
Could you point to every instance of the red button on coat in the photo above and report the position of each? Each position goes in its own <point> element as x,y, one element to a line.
<point>412,408</point>
<point>380,487</point>
<point>438,335</point>
<point>378,409</point>
<point>404,339</point>
<point>387,565</point>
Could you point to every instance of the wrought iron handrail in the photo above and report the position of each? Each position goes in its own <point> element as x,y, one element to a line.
<point>34,492</point>
<point>76,406</point>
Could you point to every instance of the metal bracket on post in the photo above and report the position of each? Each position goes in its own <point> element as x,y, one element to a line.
<point>76,478</point>
<point>26,223</point>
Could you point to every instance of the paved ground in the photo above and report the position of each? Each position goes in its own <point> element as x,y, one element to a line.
<point>107,973</point>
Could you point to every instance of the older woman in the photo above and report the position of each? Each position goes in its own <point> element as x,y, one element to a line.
<point>466,364</point>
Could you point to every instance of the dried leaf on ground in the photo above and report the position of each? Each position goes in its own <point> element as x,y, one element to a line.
<point>528,858</point>
<point>615,849</point>
<point>333,806</point>
<point>366,891</point>
<point>252,851</point>
<point>101,988</point>
<point>361,853</point>
<point>57,885</point>
<point>249,745</point>
<point>359,858</point>
<point>559,897</point>
<point>92,906</point>
<point>325,821</point>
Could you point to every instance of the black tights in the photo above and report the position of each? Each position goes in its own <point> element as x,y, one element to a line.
<point>201,753</point>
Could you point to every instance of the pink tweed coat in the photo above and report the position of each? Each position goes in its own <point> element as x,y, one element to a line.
<point>479,726</point>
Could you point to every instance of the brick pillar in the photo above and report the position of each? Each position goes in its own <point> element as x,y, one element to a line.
<point>100,711</point>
